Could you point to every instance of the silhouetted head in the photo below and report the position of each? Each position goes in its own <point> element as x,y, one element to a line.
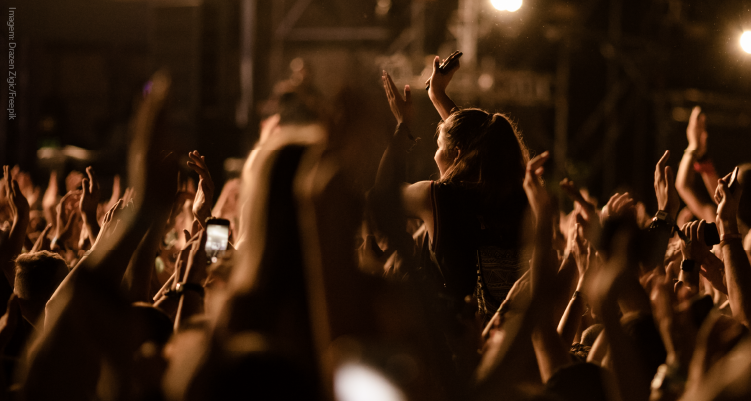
<point>476,147</point>
<point>38,274</point>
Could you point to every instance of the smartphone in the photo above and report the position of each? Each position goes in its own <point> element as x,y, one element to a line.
<point>217,238</point>
<point>447,64</point>
<point>450,62</point>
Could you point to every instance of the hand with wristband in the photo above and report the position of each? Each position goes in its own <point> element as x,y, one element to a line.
<point>694,161</point>
<point>694,252</point>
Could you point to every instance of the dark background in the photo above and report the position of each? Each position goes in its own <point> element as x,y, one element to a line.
<point>613,80</point>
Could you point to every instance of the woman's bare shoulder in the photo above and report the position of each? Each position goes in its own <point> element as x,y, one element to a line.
<point>417,200</point>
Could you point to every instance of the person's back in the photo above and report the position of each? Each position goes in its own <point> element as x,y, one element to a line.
<point>475,244</point>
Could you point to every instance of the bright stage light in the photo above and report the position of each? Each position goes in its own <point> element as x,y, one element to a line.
<point>746,41</point>
<point>513,5</point>
<point>506,5</point>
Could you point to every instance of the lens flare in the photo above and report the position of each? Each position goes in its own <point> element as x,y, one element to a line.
<point>513,5</point>
<point>746,41</point>
<point>506,5</point>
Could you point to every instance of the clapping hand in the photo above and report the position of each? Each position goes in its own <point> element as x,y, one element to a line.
<point>19,207</point>
<point>619,205</point>
<point>401,107</point>
<point>696,132</point>
<point>667,195</point>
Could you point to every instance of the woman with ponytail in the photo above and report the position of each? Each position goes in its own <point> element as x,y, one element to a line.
<point>473,212</point>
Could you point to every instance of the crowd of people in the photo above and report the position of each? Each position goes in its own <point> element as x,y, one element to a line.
<point>472,286</point>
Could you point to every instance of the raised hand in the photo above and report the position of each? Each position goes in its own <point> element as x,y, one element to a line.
<point>19,215</point>
<point>68,218</point>
<point>19,207</point>
<point>401,107</point>
<point>585,214</point>
<point>439,81</point>
<point>696,132</point>
<point>538,197</point>
<point>694,248</point>
<point>667,196</point>
<point>727,206</point>
<point>205,194</point>
<point>29,191</point>
<point>118,212</point>
<point>49,200</point>
<point>583,254</point>
<point>617,206</point>
<point>89,202</point>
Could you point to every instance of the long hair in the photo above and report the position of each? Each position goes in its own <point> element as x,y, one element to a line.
<point>493,155</point>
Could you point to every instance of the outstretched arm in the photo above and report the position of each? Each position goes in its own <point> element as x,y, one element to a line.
<point>19,209</point>
<point>528,315</point>
<point>438,82</point>
<point>191,298</point>
<point>137,278</point>
<point>551,352</point>
<point>684,180</point>
<point>88,204</point>
<point>737,267</point>
<point>89,321</point>
<point>205,193</point>
<point>412,199</point>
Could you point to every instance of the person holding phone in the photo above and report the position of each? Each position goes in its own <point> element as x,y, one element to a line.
<point>473,212</point>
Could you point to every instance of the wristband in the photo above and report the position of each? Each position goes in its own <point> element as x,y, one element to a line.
<point>663,216</point>
<point>730,236</point>
<point>704,166</point>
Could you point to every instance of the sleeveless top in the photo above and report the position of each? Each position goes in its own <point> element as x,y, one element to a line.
<point>475,249</point>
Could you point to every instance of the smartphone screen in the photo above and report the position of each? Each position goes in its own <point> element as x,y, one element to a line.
<point>217,238</point>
